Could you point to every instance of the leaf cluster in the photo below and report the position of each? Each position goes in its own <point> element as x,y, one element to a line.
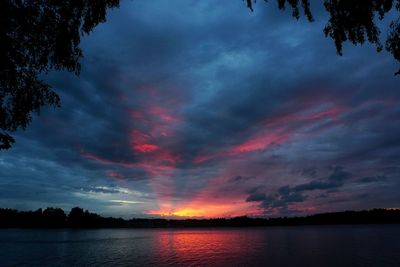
<point>38,36</point>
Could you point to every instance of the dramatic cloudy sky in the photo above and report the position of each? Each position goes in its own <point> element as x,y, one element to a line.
<point>202,108</point>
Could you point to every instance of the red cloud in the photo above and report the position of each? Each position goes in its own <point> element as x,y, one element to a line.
<point>145,148</point>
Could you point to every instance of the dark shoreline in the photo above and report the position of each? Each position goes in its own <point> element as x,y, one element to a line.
<point>51,218</point>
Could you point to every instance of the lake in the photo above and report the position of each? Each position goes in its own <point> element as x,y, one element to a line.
<point>358,245</point>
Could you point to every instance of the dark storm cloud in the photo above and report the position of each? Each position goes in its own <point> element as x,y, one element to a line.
<point>311,172</point>
<point>286,195</point>
<point>335,180</point>
<point>240,179</point>
<point>251,98</point>
<point>372,179</point>
<point>256,197</point>
<point>280,200</point>
<point>315,185</point>
<point>171,98</point>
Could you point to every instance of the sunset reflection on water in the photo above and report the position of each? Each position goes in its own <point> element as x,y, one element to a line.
<point>369,245</point>
<point>277,246</point>
<point>205,247</point>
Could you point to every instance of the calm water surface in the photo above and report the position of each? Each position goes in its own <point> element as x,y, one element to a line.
<point>275,246</point>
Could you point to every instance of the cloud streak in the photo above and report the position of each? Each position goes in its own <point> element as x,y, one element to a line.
<point>203,109</point>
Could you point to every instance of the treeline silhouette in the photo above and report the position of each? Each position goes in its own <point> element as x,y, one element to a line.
<point>78,218</point>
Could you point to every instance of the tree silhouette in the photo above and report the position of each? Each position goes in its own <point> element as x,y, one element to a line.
<point>78,218</point>
<point>53,217</point>
<point>38,36</point>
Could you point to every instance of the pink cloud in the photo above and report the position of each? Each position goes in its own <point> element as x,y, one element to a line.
<point>163,114</point>
<point>280,129</point>
<point>145,148</point>
<point>259,142</point>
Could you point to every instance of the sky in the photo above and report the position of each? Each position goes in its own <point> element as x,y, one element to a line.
<point>204,109</point>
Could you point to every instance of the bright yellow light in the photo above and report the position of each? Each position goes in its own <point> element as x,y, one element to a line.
<point>189,213</point>
<point>211,210</point>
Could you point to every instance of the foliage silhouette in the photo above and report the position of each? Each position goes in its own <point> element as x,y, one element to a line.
<point>53,218</point>
<point>37,36</point>
<point>78,218</point>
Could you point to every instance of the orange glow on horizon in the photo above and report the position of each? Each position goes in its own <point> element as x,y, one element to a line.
<point>209,211</point>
